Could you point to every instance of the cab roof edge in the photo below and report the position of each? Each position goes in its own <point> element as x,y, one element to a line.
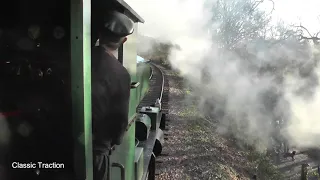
<point>127,7</point>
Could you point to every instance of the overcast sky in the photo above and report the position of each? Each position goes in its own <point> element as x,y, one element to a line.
<point>171,16</point>
<point>167,18</point>
<point>295,11</point>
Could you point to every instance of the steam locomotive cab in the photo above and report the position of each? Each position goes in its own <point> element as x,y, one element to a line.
<point>34,50</point>
<point>45,90</point>
<point>34,76</point>
<point>33,57</point>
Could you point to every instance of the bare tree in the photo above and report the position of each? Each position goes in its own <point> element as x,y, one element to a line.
<point>314,37</point>
<point>238,21</point>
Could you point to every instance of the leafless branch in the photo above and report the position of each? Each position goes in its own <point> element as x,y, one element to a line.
<point>315,40</point>
<point>302,27</point>
<point>257,3</point>
<point>314,37</point>
<point>272,6</point>
<point>310,38</point>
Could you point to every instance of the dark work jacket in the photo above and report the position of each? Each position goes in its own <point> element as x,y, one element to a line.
<point>110,99</point>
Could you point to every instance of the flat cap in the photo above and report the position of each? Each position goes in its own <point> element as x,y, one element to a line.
<point>118,24</point>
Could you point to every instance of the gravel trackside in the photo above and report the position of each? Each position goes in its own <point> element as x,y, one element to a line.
<point>193,149</point>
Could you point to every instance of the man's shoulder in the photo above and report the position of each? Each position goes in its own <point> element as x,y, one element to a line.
<point>102,61</point>
<point>98,55</point>
<point>108,66</point>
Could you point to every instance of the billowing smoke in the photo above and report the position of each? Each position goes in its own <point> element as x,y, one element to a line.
<point>248,85</point>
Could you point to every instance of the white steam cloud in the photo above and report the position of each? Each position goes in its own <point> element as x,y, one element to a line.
<point>240,93</point>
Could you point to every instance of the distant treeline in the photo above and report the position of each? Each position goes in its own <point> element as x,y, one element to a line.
<point>155,50</point>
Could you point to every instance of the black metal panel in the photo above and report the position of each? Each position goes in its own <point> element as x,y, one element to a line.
<point>152,168</point>
<point>148,151</point>
<point>158,146</point>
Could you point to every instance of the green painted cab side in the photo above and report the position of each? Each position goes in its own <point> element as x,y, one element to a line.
<point>81,87</point>
<point>143,74</point>
<point>124,154</point>
<point>130,63</point>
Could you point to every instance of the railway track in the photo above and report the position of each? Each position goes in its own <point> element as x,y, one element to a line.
<point>159,89</point>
